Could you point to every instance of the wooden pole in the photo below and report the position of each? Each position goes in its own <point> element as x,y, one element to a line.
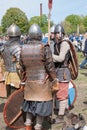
<point>49,26</point>
<point>40,9</point>
<point>49,14</point>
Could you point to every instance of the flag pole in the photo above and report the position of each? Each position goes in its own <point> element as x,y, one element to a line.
<point>49,15</point>
<point>49,26</point>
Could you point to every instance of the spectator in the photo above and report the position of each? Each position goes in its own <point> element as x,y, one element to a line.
<point>84,62</point>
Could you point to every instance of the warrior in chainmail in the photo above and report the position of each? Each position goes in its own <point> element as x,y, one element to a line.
<point>60,57</point>
<point>9,51</point>
<point>37,61</point>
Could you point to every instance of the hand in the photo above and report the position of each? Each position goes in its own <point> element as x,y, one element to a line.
<point>55,87</point>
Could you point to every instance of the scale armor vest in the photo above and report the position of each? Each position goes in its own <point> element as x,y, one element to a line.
<point>33,61</point>
<point>9,50</point>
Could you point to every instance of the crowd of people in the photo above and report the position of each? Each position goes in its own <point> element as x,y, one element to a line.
<point>46,70</point>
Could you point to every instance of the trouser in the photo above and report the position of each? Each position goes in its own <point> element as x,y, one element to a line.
<point>39,121</point>
<point>83,63</point>
<point>62,106</point>
<point>62,96</point>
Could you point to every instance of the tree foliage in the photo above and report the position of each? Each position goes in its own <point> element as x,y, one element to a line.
<point>85,22</point>
<point>67,26</point>
<point>42,21</point>
<point>0,30</point>
<point>15,15</point>
<point>74,21</point>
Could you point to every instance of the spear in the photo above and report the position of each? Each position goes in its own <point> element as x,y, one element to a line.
<point>49,14</point>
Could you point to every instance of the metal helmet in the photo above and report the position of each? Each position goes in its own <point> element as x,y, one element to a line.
<point>13,31</point>
<point>52,29</point>
<point>59,29</point>
<point>35,32</point>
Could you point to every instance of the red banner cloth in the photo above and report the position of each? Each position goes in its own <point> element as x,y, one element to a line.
<point>50,4</point>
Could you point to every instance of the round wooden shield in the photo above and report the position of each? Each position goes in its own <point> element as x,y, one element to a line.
<point>72,93</point>
<point>13,115</point>
<point>73,62</point>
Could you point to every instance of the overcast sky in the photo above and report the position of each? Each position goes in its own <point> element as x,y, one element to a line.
<point>60,8</point>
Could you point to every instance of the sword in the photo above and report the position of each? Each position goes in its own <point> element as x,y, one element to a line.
<point>50,7</point>
<point>16,117</point>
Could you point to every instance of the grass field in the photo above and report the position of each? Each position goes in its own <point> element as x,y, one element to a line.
<point>80,105</point>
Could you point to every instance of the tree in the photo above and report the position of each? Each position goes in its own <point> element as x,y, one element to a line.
<point>42,21</point>
<point>82,28</point>
<point>67,27</point>
<point>75,21</point>
<point>15,15</point>
<point>0,30</point>
<point>85,23</point>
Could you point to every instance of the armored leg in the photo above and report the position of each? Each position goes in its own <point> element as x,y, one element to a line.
<point>13,89</point>
<point>62,107</point>
<point>8,88</point>
<point>28,122</point>
<point>39,121</point>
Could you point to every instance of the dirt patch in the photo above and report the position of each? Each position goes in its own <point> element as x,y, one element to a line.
<point>80,105</point>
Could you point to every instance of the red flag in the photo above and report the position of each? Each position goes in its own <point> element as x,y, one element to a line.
<point>50,4</point>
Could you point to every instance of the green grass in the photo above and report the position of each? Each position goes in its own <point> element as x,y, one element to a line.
<point>80,57</point>
<point>82,73</point>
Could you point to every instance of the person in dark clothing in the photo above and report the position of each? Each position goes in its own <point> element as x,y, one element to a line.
<point>84,62</point>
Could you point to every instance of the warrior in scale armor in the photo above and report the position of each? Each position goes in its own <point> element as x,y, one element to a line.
<point>36,60</point>
<point>9,53</point>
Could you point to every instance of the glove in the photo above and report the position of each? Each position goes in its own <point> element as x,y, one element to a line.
<point>55,85</point>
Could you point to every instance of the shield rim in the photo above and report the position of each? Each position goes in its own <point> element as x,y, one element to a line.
<point>4,111</point>
<point>75,58</point>
<point>74,86</point>
<point>75,66</point>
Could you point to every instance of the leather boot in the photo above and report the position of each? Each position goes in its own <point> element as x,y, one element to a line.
<point>59,119</point>
<point>28,128</point>
<point>66,112</point>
